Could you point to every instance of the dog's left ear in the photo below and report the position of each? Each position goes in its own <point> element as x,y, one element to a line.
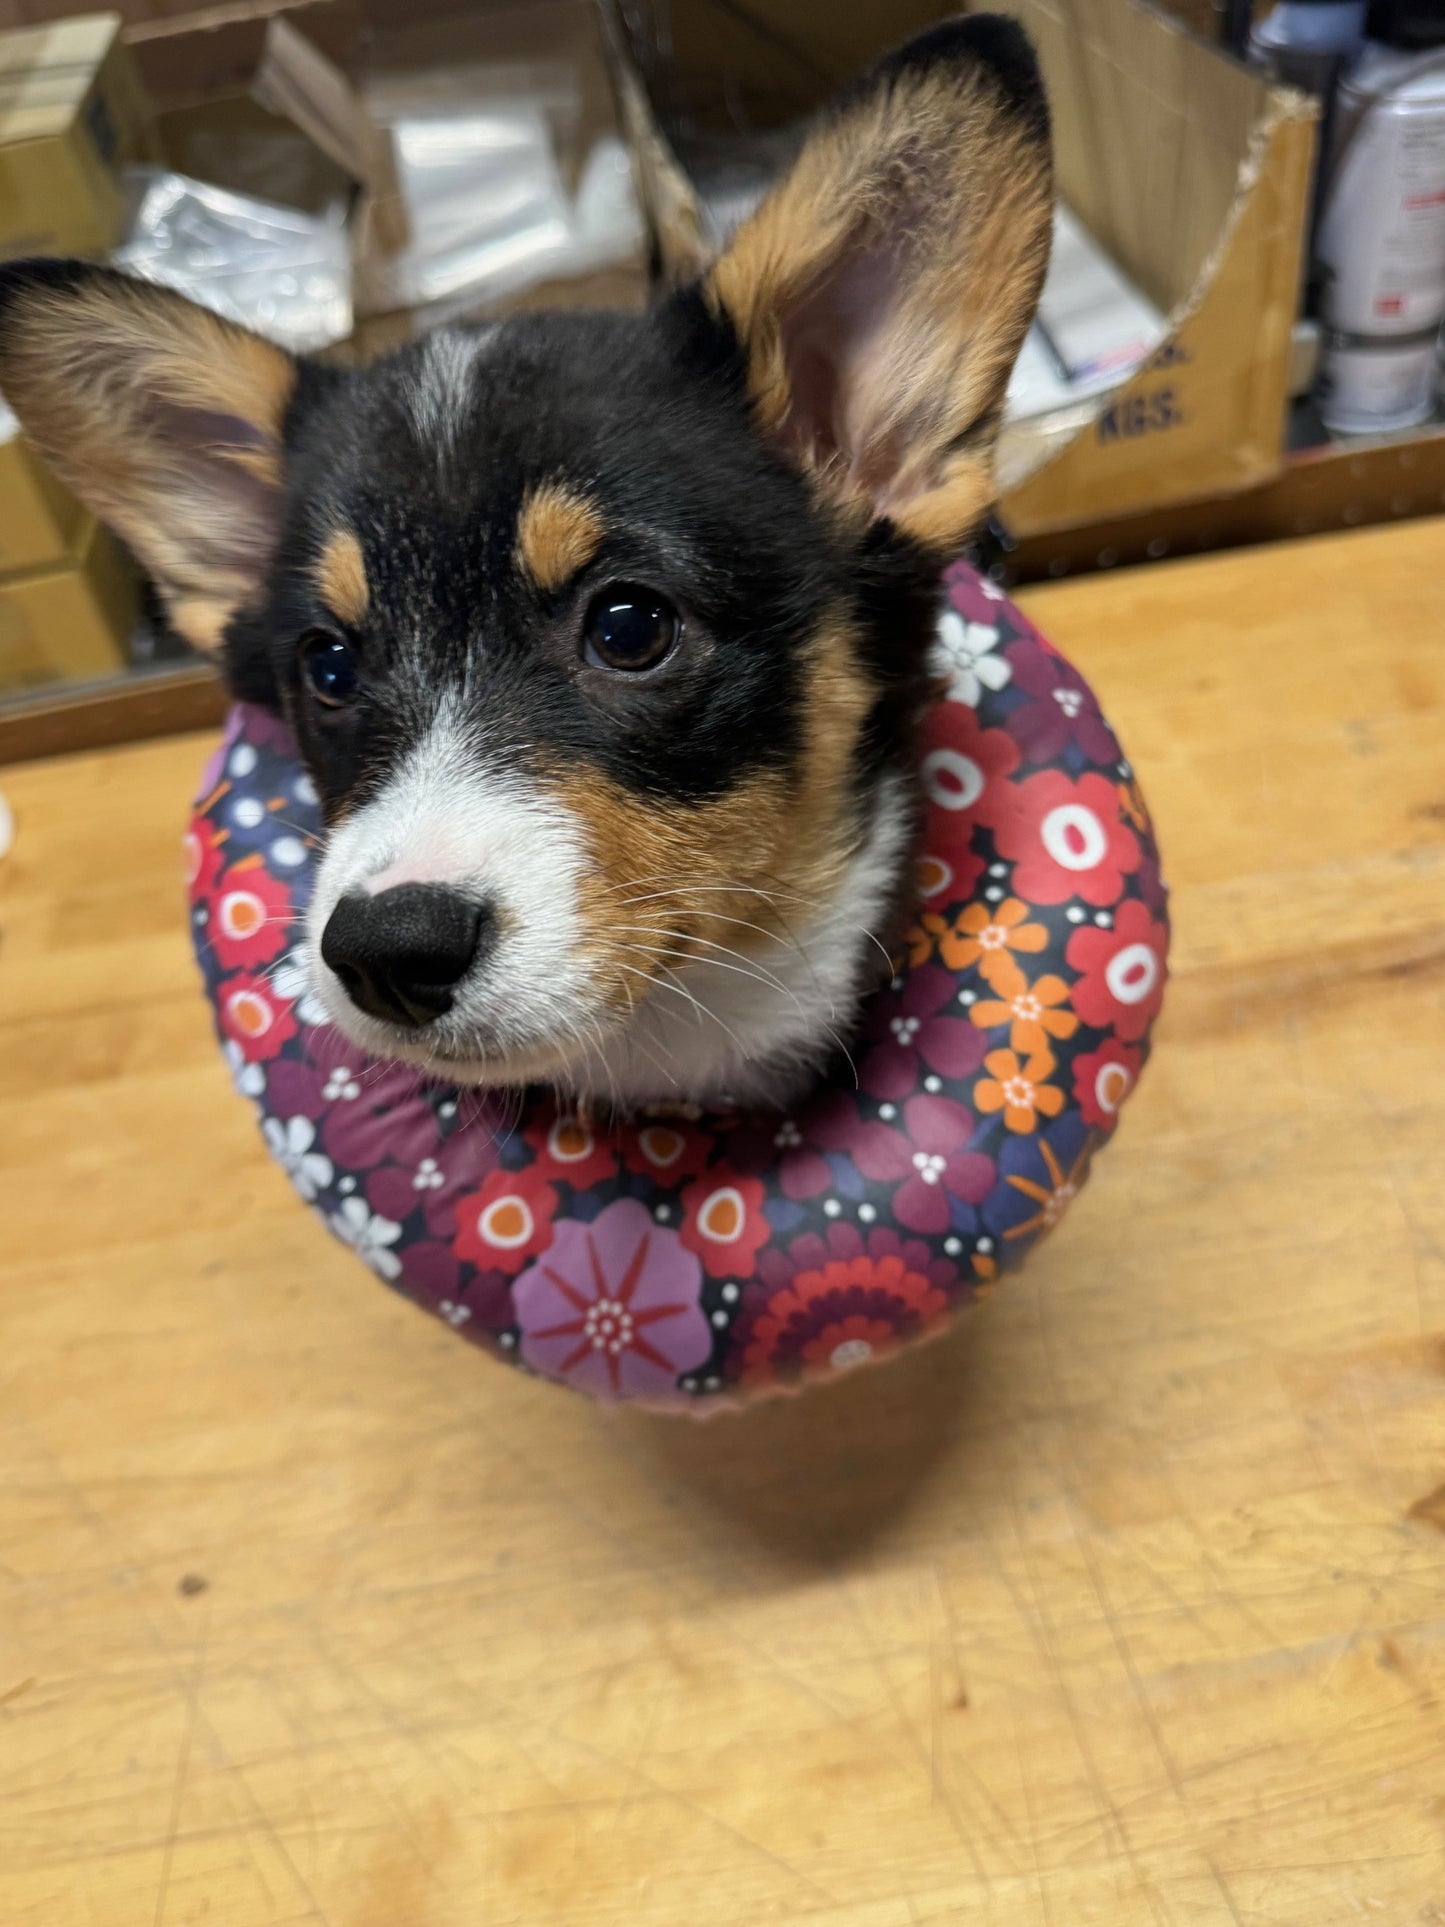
<point>883,290</point>
<point>164,419</point>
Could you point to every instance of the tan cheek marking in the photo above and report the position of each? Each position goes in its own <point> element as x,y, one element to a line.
<point>673,883</point>
<point>341,578</point>
<point>558,533</point>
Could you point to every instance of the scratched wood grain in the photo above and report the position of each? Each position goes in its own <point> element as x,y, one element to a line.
<point>1124,1604</point>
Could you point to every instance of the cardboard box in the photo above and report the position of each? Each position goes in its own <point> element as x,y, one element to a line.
<point>39,519</point>
<point>72,114</point>
<point>257,103</point>
<point>1192,171</point>
<point>72,623</point>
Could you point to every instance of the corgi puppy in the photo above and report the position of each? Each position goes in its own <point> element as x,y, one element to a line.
<point>605,637</point>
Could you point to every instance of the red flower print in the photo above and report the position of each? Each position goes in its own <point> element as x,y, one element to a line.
<point>1066,838</point>
<point>568,1148</point>
<point>250,915</point>
<point>252,1015</point>
<point>963,771</point>
<point>507,1222</point>
<point>1035,1012</point>
<point>1021,1091</point>
<point>936,881</point>
<point>910,1031</point>
<point>843,1241</point>
<point>984,939</point>
<point>1103,1078</point>
<point>1121,972</point>
<point>844,1314</point>
<point>613,1308</point>
<point>202,861</point>
<point>666,1148</point>
<point>724,1222</point>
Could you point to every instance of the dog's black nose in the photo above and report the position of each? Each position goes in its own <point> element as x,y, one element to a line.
<point>401,954</point>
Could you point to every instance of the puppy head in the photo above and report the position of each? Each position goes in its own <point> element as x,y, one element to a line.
<point>603,636</point>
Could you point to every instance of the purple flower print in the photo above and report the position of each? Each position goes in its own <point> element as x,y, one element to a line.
<point>1060,709</point>
<point>930,1159</point>
<point>433,1182</point>
<point>976,598</point>
<point>435,1279</point>
<point>296,1089</point>
<point>612,1308</point>
<point>911,1034</point>
<point>389,1121</point>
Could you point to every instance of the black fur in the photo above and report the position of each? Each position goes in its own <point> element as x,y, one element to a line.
<point>648,418</point>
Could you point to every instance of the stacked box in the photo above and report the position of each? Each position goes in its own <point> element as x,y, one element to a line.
<point>72,115</point>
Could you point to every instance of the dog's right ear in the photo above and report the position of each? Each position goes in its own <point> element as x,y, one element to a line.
<point>164,419</point>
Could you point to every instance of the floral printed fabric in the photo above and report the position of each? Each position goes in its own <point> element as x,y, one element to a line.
<point>676,1258</point>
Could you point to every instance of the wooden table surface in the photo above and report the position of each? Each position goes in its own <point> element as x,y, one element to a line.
<point>1125,1603</point>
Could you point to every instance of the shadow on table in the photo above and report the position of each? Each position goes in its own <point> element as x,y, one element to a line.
<point>816,1480</point>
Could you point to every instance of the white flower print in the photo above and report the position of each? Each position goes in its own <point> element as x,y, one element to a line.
<point>291,979</point>
<point>788,1137</point>
<point>249,1079</point>
<point>291,1144</point>
<point>428,1176</point>
<point>341,1086</point>
<point>455,1315</point>
<point>369,1235</point>
<point>968,658</point>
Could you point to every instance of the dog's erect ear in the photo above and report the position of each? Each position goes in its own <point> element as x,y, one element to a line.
<point>164,419</point>
<point>882,291</point>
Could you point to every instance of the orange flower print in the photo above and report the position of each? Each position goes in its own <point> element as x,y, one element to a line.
<point>1021,1091</point>
<point>924,938</point>
<point>987,937</point>
<point>1037,1012</point>
<point>1054,1198</point>
<point>1131,802</point>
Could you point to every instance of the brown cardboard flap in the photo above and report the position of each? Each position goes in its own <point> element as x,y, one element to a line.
<point>1206,415</point>
<point>216,52</point>
<point>1192,171</point>
<point>296,81</point>
<point>1158,190</point>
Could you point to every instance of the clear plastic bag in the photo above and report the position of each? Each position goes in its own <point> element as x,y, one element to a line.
<point>490,214</point>
<point>274,269</point>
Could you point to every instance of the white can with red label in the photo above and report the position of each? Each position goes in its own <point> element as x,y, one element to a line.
<point>1382,242</point>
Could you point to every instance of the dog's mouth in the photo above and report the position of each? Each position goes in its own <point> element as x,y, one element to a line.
<point>468,1049</point>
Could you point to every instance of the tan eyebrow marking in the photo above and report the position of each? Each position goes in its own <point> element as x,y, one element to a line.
<point>341,577</point>
<point>558,533</point>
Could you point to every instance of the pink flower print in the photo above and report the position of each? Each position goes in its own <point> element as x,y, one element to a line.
<point>613,1308</point>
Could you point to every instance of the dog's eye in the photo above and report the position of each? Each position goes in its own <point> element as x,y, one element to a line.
<point>629,627</point>
<point>330,668</point>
